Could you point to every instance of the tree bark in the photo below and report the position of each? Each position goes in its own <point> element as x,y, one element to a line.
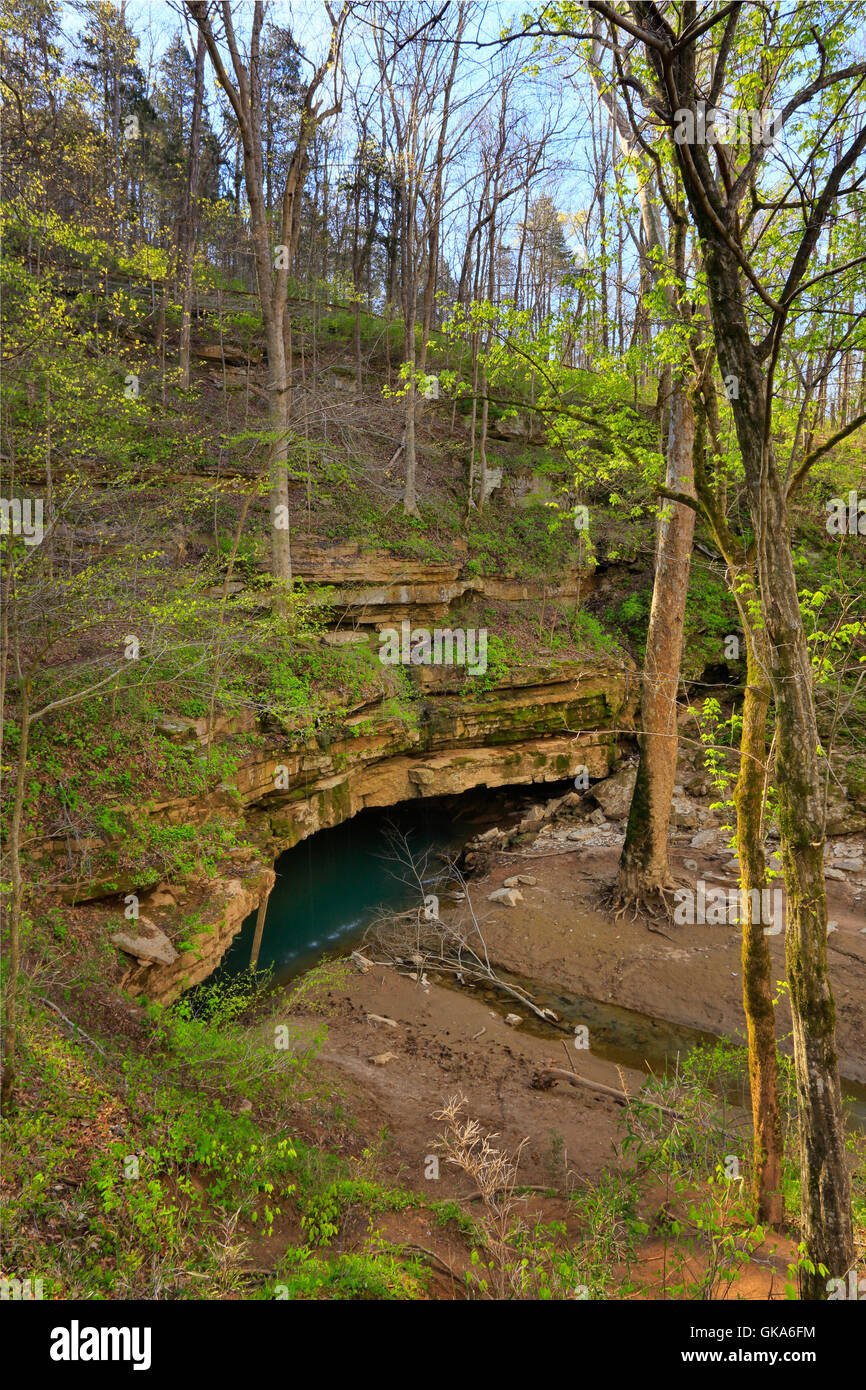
<point>187,229</point>
<point>644,870</point>
<point>245,97</point>
<point>750,800</point>
<point>824,1177</point>
<point>13,960</point>
<point>750,796</point>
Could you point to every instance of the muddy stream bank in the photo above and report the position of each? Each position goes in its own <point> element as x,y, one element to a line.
<point>640,996</point>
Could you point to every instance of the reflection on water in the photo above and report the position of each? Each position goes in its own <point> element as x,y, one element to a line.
<point>333,885</point>
<point>633,1039</point>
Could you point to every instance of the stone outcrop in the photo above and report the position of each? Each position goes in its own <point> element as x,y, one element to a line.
<point>615,793</point>
<point>416,732</point>
<point>230,902</point>
<point>146,944</point>
<point>376,589</point>
<point>539,726</point>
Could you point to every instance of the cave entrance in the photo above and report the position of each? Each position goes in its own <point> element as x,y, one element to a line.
<point>331,886</point>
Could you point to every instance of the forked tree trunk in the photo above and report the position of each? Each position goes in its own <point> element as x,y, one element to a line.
<point>824,1178</point>
<point>825,1185</point>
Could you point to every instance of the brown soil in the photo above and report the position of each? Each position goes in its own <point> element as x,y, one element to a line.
<point>446,1041</point>
<point>689,975</point>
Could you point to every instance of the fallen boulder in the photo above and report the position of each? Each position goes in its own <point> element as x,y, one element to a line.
<point>148,945</point>
<point>510,896</point>
<point>614,794</point>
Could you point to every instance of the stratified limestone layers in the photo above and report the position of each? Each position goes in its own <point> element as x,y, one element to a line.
<point>418,731</point>
<point>558,719</point>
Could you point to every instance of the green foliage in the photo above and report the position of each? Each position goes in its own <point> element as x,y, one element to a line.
<point>382,1274</point>
<point>590,636</point>
<point>719,734</point>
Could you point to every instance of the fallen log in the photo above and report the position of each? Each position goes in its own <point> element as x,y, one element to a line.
<point>548,1076</point>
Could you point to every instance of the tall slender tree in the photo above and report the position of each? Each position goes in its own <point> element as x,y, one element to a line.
<point>274,262</point>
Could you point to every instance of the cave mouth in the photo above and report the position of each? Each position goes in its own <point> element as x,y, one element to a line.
<point>332,885</point>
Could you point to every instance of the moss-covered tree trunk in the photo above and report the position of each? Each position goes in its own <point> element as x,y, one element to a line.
<point>757,970</point>
<point>750,800</point>
<point>825,1187</point>
<point>733,278</point>
<point>824,1177</point>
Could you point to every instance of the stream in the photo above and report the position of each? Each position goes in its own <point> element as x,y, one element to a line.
<point>332,886</point>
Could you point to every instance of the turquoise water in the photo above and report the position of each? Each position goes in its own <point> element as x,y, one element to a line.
<point>332,886</point>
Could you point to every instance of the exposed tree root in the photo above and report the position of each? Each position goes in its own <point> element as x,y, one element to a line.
<point>651,905</point>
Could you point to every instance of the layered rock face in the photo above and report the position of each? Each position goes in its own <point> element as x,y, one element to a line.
<point>555,720</point>
<point>376,589</point>
<point>539,723</point>
<point>423,731</point>
<point>162,973</point>
<point>541,727</point>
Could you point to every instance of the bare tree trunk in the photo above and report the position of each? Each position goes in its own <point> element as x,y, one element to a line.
<point>245,97</point>
<point>409,286</point>
<point>485,405</point>
<point>484,480</point>
<point>187,238</point>
<point>278,392</point>
<point>13,959</point>
<point>644,870</point>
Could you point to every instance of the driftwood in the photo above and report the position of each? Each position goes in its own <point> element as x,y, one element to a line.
<point>547,1076</point>
<point>434,1259</point>
<point>418,940</point>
